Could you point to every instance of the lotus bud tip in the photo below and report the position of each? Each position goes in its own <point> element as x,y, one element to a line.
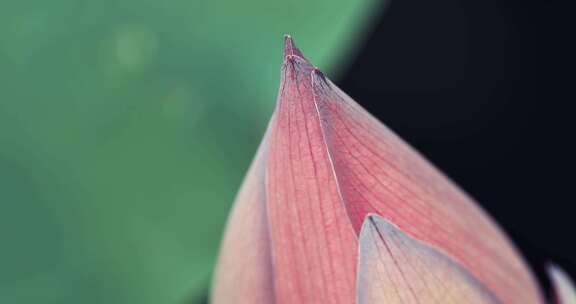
<point>290,49</point>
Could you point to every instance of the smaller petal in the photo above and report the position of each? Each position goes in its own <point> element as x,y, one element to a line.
<point>395,268</point>
<point>564,289</point>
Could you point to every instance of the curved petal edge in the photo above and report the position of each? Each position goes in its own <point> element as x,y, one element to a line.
<point>395,268</point>
<point>564,289</point>
<point>244,273</point>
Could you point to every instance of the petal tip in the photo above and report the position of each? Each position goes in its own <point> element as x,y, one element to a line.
<point>564,289</point>
<point>368,222</point>
<point>290,49</point>
<point>376,221</point>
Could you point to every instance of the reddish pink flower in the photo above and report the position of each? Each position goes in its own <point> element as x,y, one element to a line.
<point>337,209</point>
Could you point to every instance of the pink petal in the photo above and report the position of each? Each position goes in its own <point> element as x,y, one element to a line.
<point>244,271</point>
<point>330,164</point>
<point>395,268</point>
<point>565,291</point>
<point>313,241</point>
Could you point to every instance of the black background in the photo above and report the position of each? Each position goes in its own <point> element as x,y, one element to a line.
<point>482,89</point>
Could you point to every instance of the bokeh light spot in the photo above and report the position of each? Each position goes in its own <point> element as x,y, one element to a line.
<point>134,46</point>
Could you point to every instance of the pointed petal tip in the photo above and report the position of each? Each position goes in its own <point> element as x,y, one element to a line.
<point>295,65</point>
<point>375,220</point>
<point>290,49</point>
<point>368,219</point>
<point>367,222</point>
<point>551,267</point>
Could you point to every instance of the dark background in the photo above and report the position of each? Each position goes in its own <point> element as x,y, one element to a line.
<point>481,89</point>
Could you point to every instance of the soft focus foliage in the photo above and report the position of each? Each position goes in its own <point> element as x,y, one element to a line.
<point>125,128</point>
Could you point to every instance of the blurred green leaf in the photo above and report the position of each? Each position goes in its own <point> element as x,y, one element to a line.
<point>125,130</point>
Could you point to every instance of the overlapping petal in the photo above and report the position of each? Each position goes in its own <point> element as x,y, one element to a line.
<point>395,268</point>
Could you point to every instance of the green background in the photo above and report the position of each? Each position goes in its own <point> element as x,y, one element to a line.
<point>125,129</point>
